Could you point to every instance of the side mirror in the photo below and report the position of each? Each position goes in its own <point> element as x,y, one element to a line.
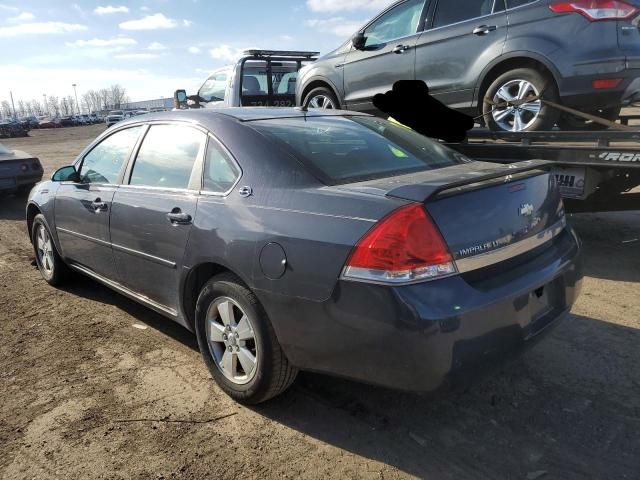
<point>66,174</point>
<point>359,40</point>
<point>180,99</point>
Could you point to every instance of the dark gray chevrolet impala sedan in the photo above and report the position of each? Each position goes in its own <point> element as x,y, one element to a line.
<point>335,242</point>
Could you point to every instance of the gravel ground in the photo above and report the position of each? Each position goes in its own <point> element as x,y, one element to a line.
<point>96,386</point>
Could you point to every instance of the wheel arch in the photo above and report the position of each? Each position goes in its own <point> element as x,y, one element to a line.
<point>504,64</point>
<point>194,281</point>
<point>319,82</point>
<point>32,211</point>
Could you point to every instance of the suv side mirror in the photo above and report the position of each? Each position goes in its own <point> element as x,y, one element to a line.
<point>359,40</point>
<point>66,174</point>
<point>180,99</point>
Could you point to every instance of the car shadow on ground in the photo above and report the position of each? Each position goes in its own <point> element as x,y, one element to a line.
<point>611,244</point>
<point>12,205</point>
<point>568,408</point>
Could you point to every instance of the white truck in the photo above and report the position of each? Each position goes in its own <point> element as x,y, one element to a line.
<point>264,78</point>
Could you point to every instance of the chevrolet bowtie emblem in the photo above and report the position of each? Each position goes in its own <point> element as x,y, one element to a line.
<point>525,210</point>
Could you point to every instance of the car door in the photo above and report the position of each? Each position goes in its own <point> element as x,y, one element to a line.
<point>388,55</point>
<point>82,209</point>
<point>461,38</point>
<point>153,210</point>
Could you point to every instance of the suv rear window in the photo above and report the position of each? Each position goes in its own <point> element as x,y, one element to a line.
<point>351,149</point>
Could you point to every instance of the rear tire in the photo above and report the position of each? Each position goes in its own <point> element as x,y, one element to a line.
<point>233,330</point>
<point>321,98</point>
<point>523,83</point>
<point>51,266</point>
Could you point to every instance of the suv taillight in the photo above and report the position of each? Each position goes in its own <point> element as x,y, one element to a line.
<point>406,246</point>
<point>596,10</point>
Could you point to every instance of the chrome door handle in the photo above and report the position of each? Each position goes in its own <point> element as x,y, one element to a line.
<point>99,206</point>
<point>401,48</point>
<point>176,217</point>
<point>484,29</point>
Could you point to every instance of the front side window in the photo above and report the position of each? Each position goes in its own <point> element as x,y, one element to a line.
<point>214,88</point>
<point>351,149</point>
<point>167,156</point>
<point>220,171</point>
<point>448,12</point>
<point>104,163</point>
<point>399,22</point>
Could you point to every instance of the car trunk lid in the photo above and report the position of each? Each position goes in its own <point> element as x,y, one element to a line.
<point>483,210</point>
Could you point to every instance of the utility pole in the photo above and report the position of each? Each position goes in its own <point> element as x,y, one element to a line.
<point>12,105</point>
<point>76,94</point>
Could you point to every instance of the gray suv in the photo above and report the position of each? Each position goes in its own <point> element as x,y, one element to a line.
<point>478,56</point>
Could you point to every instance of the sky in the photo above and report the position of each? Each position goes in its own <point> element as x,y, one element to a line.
<point>153,47</point>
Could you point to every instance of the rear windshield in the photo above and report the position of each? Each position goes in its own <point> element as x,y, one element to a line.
<point>352,149</point>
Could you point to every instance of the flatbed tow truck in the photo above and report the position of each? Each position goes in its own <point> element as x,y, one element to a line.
<point>596,170</point>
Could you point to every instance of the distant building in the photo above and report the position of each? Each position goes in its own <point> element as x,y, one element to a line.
<point>148,104</point>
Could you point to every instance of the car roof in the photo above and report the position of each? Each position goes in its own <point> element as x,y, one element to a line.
<point>244,114</point>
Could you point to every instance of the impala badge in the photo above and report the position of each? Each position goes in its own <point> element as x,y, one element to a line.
<point>525,210</point>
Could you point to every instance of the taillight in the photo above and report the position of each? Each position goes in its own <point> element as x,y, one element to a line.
<point>606,83</point>
<point>406,246</point>
<point>596,10</point>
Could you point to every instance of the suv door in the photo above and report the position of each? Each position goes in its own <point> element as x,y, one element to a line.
<point>461,38</point>
<point>388,55</point>
<point>82,209</point>
<point>153,211</point>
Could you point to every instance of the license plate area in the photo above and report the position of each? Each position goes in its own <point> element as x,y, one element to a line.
<point>546,303</point>
<point>571,180</point>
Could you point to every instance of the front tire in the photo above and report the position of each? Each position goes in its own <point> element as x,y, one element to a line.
<point>51,266</point>
<point>321,98</point>
<point>515,85</point>
<point>238,343</point>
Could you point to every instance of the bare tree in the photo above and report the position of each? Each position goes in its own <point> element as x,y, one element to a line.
<point>117,95</point>
<point>105,96</point>
<point>6,109</point>
<point>72,105</point>
<point>96,104</point>
<point>21,110</point>
<point>28,108</point>
<point>36,106</point>
<point>64,106</point>
<point>54,106</point>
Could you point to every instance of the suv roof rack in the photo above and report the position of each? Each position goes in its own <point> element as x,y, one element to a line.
<point>280,53</point>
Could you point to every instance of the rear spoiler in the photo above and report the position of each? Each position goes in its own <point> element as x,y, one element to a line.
<point>421,192</point>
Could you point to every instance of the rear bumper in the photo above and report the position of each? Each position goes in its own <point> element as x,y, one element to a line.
<point>8,184</point>
<point>578,92</point>
<point>414,337</point>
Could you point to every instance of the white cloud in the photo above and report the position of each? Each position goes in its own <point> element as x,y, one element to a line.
<point>150,22</point>
<point>187,23</point>
<point>137,56</point>
<point>23,17</point>
<point>194,50</point>
<point>337,26</point>
<point>40,28</point>
<point>226,52</point>
<point>144,9</point>
<point>343,5</point>
<point>109,9</point>
<point>103,42</point>
<point>156,46</point>
<point>9,8</point>
<point>286,38</point>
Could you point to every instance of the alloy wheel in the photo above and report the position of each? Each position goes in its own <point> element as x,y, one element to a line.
<point>518,117</point>
<point>231,340</point>
<point>45,250</point>
<point>321,102</point>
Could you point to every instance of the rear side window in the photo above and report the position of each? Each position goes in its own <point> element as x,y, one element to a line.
<point>351,149</point>
<point>449,12</point>
<point>167,156</point>
<point>104,163</point>
<point>220,171</point>
<point>399,22</point>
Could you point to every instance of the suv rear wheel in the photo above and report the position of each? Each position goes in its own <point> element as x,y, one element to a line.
<point>502,108</point>
<point>321,98</point>
<point>238,343</point>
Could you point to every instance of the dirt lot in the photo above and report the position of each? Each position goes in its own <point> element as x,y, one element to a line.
<point>96,386</point>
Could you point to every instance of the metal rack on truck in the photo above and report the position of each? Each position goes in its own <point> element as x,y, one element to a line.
<point>596,170</point>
